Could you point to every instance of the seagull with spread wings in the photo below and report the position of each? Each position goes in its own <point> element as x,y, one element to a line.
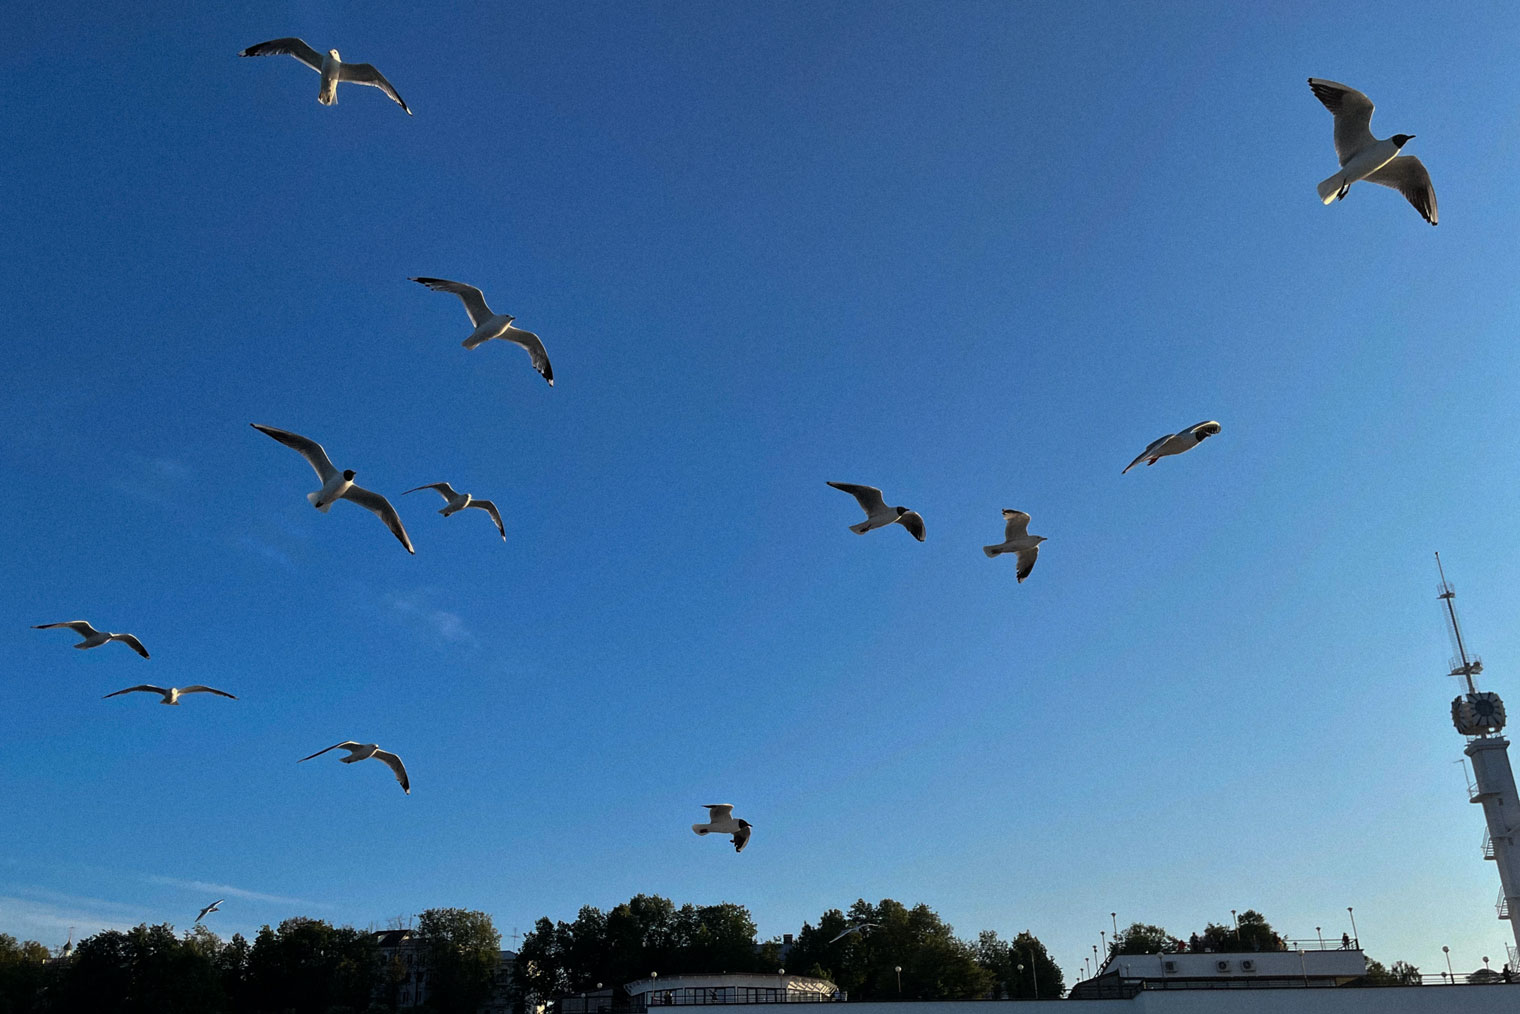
<point>857,928</point>
<point>95,638</point>
<point>721,820</point>
<point>1364,157</point>
<point>1175,443</point>
<point>330,66</point>
<point>490,325</point>
<point>338,485</point>
<point>456,502</point>
<point>171,695</point>
<point>215,906</point>
<point>364,751</point>
<point>878,514</point>
<point>1017,540</point>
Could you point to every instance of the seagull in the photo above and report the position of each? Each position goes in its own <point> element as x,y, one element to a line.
<point>1175,443</point>
<point>338,485</point>
<point>215,906</point>
<point>331,67</point>
<point>364,751</point>
<point>1364,157</point>
<point>172,695</point>
<point>721,820</point>
<point>457,502</point>
<point>878,514</point>
<point>490,325</point>
<point>95,638</point>
<point>861,928</point>
<point>1016,539</point>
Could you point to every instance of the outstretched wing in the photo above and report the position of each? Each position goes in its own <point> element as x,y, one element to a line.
<point>347,744</point>
<point>395,765</point>
<point>718,811</point>
<point>869,497</point>
<point>1018,525</point>
<point>529,341</point>
<point>1408,176</point>
<point>287,47</point>
<point>1353,116</point>
<point>914,523</point>
<point>741,839</point>
<point>131,642</point>
<point>309,449</point>
<point>199,689</point>
<point>474,300</point>
<point>1026,562</point>
<point>1204,429</point>
<point>80,627</point>
<point>1147,452</point>
<point>490,508</point>
<point>363,73</point>
<point>148,687</point>
<point>444,490</point>
<point>372,501</point>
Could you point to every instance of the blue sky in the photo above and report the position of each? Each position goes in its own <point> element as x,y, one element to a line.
<point>977,254</point>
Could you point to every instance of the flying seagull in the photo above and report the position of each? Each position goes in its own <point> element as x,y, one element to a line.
<point>490,325</point>
<point>721,820</point>
<point>1016,539</point>
<point>858,928</point>
<point>364,751</point>
<point>171,695</point>
<point>95,638</point>
<point>1364,157</point>
<point>215,906</point>
<point>456,502</point>
<point>338,485</point>
<point>878,514</point>
<point>1175,443</point>
<point>331,67</point>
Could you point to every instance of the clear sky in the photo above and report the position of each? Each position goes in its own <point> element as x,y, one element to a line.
<point>977,254</point>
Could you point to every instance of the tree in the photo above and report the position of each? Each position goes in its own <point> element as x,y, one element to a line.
<point>308,966</point>
<point>1018,968</point>
<point>1405,974</point>
<point>462,951</point>
<point>23,975</point>
<point>1144,938</point>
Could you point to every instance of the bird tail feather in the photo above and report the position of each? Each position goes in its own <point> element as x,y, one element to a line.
<point>312,497</point>
<point>862,528</point>
<point>1328,189</point>
<point>699,829</point>
<point>992,551</point>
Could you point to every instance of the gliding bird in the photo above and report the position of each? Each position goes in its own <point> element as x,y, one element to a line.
<point>171,695</point>
<point>364,751</point>
<point>490,325</point>
<point>456,502</point>
<point>861,928</point>
<point>1364,157</point>
<point>215,906</point>
<point>1175,443</point>
<point>1016,539</point>
<point>338,485</point>
<point>95,638</point>
<point>721,820</point>
<point>878,514</point>
<point>331,67</point>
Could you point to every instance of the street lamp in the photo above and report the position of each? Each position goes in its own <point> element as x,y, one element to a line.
<point>1236,919</point>
<point>1034,971</point>
<point>1355,937</point>
<point>1447,951</point>
<point>1020,967</point>
<point>1115,917</point>
<point>1321,937</point>
<point>898,970</point>
<point>1103,935</point>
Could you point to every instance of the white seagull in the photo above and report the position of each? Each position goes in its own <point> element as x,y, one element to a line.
<point>215,906</point>
<point>858,928</point>
<point>364,751</point>
<point>878,514</point>
<point>721,820</point>
<point>1364,157</point>
<point>1016,539</point>
<point>95,638</point>
<point>331,67</point>
<point>171,695</point>
<point>338,485</point>
<point>1175,443</point>
<point>490,325</point>
<point>456,502</point>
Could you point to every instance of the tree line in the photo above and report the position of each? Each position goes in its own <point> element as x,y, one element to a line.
<point>305,966</point>
<point>898,952</point>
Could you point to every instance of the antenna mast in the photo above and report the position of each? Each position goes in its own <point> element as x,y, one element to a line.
<point>1461,666</point>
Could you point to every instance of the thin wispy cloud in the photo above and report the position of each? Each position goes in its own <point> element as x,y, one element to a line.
<point>447,625</point>
<point>261,548</point>
<point>47,915</point>
<point>205,886</point>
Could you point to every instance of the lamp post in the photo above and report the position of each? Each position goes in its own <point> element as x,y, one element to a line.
<point>1034,970</point>
<point>1236,920</point>
<point>1447,951</point>
<point>1103,935</point>
<point>1321,937</point>
<point>1355,938</point>
<point>1115,917</point>
<point>898,970</point>
<point>1020,967</point>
